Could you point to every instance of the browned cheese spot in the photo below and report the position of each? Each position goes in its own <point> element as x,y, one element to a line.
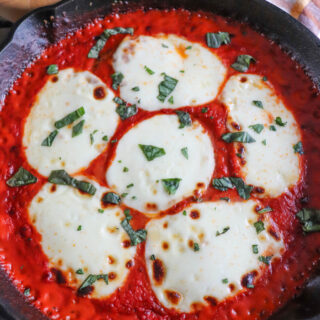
<point>158,271</point>
<point>112,276</point>
<point>151,206</point>
<point>165,245</point>
<point>99,93</point>
<point>126,244</point>
<point>248,278</point>
<point>194,214</point>
<point>53,188</point>
<point>211,300</point>
<point>173,296</point>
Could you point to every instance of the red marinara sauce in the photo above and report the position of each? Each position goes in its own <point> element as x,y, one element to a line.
<point>20,250</point>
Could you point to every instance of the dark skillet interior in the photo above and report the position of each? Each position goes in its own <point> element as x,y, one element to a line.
<point>39,29</point>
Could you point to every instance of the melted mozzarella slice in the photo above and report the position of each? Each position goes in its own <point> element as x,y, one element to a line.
<point>142,180</point>
<point>57,212</point>
<point>199,71</point>
<point>55,101</point>
<point>270,161</point>
<point>181,276</point>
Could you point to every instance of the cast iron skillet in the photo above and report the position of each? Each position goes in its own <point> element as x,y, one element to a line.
<point>48,25</point>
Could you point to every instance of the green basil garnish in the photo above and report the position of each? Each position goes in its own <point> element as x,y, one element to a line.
<point>265,259</point>
<point>136,237</point>
<point>258,103</point>
<point>242,63</point>
<point>255,249</point>
<point>226,183</point>
<point>61,177</point>
<point>298,148</point>
<point>107,33</point>
<point>79,271</point>
<point>184,119</point>
<point>196,247</point>
<point>257,127</point>
<point>148,70</point>
<point>135,89</point>
<point>69,118</point>
<point>240,136</point>
<point>310,219</point>
<point>92,136</point>
<point>215,40</point>
<point>184,152</point>
<point>111,197</point>
<point>166,87</point>
<point>47,142</point>
<point>171,185</point>
<point>151,152</point>
<point>264,210</point>
<point>225,229</point>
<point>272,128</point>
<point>259,225</point>
<point>21,178</point>
<point>91,279</point>
<point>117,78</point>
<point>123,110</point>
<point>279,122</point>
<point>77,129</point>
<point>52,69</point>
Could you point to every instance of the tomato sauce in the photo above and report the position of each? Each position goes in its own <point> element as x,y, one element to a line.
<point>20,249</point>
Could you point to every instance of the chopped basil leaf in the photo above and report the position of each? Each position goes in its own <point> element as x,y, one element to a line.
<point>196,247</point>
<point>184,119</point>
<point>26,292</point>
<point>69,118</point>
<point>21,178</point>
<point>61,177</point>
<point>222,184</point>
<point>310,219</point>
<point>151,152</point>
<point>171,185</point>
<point>100,210</point>
<point>170,100</point>
<point>123,110</point>
<point>91,279</point>
<point>240,136</point>
<point>79,228</point>
<point>279,122</point>
<point>184,212</point>
<point>92,136</point>
<point>239,155</point>
<point>111,197</point>
<point>226,183</point>
<point>264,142</point>
<point>188,47</point>
<point>225,229</point>
<point>105,138</point>
<point>125,169</point>
<point>123,195</point>
<point>47,142</point>
<point>136,237</point>
<point>77,129</point>
<point>225,199</point>
<point>264,78</point>
<point>182,71</point>
<point>184,152</point>
<point>133,197</point>
<point>135,89</point>
<point>264,210</point>
<point>298,148</point>
<point>242,63</point>
<point>215,40</point>
<point>265,259</point>
<point>52,69</point>
<point>166,87</point>
<point>257,127</point>
<point>272,128</point>
<point>258,103</point>
<point>114,140</point>
<point>225,281</point>
<point>164,45</point>
<point>255,249</point>
<point>152,257</point>
<point>204,109</point>
<point>148,70</point>
<point>130,185</point>
<point>79,271</point>
<point>117,78</point>
<point>259,225</point>
<point>95,50</point>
